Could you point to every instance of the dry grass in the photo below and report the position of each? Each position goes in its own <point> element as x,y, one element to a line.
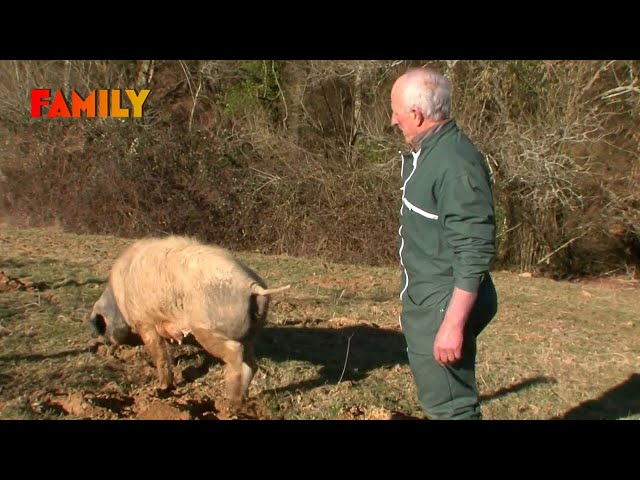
<point>333,349</point>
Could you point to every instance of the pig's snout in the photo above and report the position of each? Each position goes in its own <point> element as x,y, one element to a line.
<point>98,325</point>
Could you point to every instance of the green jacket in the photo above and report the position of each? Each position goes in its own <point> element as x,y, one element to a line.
<point>447,222</point>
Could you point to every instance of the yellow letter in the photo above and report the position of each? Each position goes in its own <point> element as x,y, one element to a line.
<point>137,101</point>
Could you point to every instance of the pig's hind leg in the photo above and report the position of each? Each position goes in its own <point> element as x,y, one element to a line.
<point>238,373</point>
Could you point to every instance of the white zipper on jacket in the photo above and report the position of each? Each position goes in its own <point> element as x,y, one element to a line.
<point>415,163</point>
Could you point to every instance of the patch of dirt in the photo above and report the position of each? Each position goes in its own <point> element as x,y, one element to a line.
<point>9,284</point>
<point>144,403</point>
<point>73,403</point>
<point>199,393</point>
<point>359,412</point>
<point>253,408</point>
<point>15,284</point>
<point>161,411</point>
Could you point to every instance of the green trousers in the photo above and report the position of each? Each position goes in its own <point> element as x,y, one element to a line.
<point>446,392</point>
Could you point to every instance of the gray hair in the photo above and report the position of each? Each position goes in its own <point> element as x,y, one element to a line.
<point>429,92</point>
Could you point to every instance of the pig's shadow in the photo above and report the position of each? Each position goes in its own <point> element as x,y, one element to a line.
<point>346,353</point>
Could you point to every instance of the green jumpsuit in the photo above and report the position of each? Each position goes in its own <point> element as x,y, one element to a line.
<point>446,240</point>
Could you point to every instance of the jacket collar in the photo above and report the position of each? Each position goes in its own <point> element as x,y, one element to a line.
<point>431,135</point>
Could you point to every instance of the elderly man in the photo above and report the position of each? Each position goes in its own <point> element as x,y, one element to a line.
<point>447,244</point>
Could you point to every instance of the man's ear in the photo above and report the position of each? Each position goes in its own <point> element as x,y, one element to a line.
<point>417,115</point>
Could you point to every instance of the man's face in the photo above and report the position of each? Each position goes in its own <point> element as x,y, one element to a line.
<point>408,121</point>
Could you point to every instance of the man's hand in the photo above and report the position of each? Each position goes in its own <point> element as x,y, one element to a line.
<point>447,348</point>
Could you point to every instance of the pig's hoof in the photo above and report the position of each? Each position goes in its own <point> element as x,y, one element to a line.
<point>165,390</point>
<point>236,403</point>
<point>227,409</point>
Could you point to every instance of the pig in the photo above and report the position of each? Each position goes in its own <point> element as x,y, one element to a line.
<point>165,289</point>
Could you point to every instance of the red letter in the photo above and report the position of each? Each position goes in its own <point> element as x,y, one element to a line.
<point>37,101</point>
<point>59,107</point>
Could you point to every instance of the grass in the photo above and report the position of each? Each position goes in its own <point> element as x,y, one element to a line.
<point>332,350</point>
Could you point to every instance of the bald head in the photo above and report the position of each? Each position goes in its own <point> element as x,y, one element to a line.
<point>426,90</point>
<point>420,99</point>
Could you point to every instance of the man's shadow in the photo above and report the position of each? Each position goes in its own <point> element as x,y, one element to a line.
<point>621,401</point>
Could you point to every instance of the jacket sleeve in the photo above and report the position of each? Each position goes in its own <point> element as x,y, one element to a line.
<point>467,216</point>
